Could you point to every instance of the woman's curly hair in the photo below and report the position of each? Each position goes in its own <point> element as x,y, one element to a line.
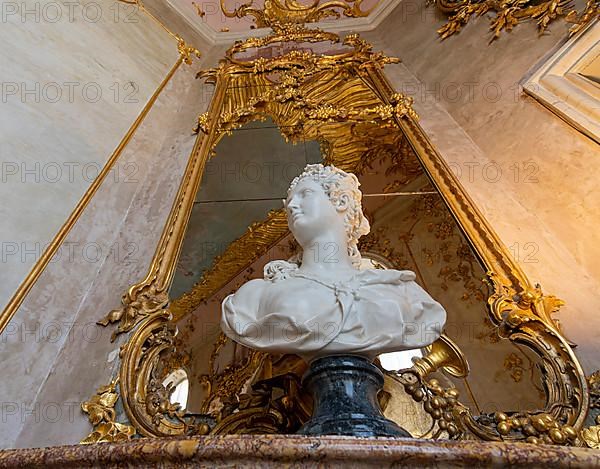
<point>338,185</point>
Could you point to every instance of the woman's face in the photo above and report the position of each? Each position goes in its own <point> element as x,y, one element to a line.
<point>310,212</point>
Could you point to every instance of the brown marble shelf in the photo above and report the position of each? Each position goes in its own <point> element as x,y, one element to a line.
<point>268,451</point>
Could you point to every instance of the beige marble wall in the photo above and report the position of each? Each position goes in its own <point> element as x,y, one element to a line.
<point>67,356</point>
<point>73,77</point>
<point>533,175</point>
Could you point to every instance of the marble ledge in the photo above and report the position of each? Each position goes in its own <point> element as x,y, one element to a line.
<point>268,451</point>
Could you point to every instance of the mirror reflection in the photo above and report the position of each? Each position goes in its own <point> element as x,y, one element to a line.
<point>237,226</point>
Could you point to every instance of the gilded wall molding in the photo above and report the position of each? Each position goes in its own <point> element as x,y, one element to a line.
<point>185,56</point>
<point>519,310</point>
<point>185,50</point>
<point>150,296</point>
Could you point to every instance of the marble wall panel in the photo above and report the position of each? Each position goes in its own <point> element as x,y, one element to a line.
<point>125,220</point>
<point>73,78</point>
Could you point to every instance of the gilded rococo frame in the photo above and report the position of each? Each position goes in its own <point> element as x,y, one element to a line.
<point>518,309</point>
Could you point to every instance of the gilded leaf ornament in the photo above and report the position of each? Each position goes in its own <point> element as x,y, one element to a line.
<point>509,13</point>
<point>101,413</point>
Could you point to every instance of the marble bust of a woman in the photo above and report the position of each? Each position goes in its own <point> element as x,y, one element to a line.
<point>323,304</point>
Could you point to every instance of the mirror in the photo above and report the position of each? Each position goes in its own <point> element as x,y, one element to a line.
<point>411,228</point>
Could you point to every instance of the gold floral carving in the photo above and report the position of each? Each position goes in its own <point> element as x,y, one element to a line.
<point>590,436</point>
<point>137,304</point>
<point>226,385</point>
<point>451,419</point>
<point>145,399</point>
<point>101,413</point>
<point>509,13</point>
<point>186,51</point>
<point>282,33</point>
<point>272,403</point>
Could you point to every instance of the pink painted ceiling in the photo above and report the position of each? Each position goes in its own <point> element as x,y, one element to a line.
<point>212,16</point>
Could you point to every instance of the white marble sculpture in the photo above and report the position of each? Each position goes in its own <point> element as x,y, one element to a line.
<point>324,305</point>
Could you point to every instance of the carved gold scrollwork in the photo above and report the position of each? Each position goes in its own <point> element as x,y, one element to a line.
<point>526,318</point>
<point>228,384</point>
<point>145,399</point>
<point>145,402</point>
<point>138,303</point>
<point>260,412</point>
<point>275,13</point>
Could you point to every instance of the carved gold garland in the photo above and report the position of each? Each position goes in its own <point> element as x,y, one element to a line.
<point>509,13</point>
<point>275,12</point>
<point>327,97</point>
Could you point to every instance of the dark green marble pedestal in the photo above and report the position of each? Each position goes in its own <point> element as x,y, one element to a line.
<point>344,390</point>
